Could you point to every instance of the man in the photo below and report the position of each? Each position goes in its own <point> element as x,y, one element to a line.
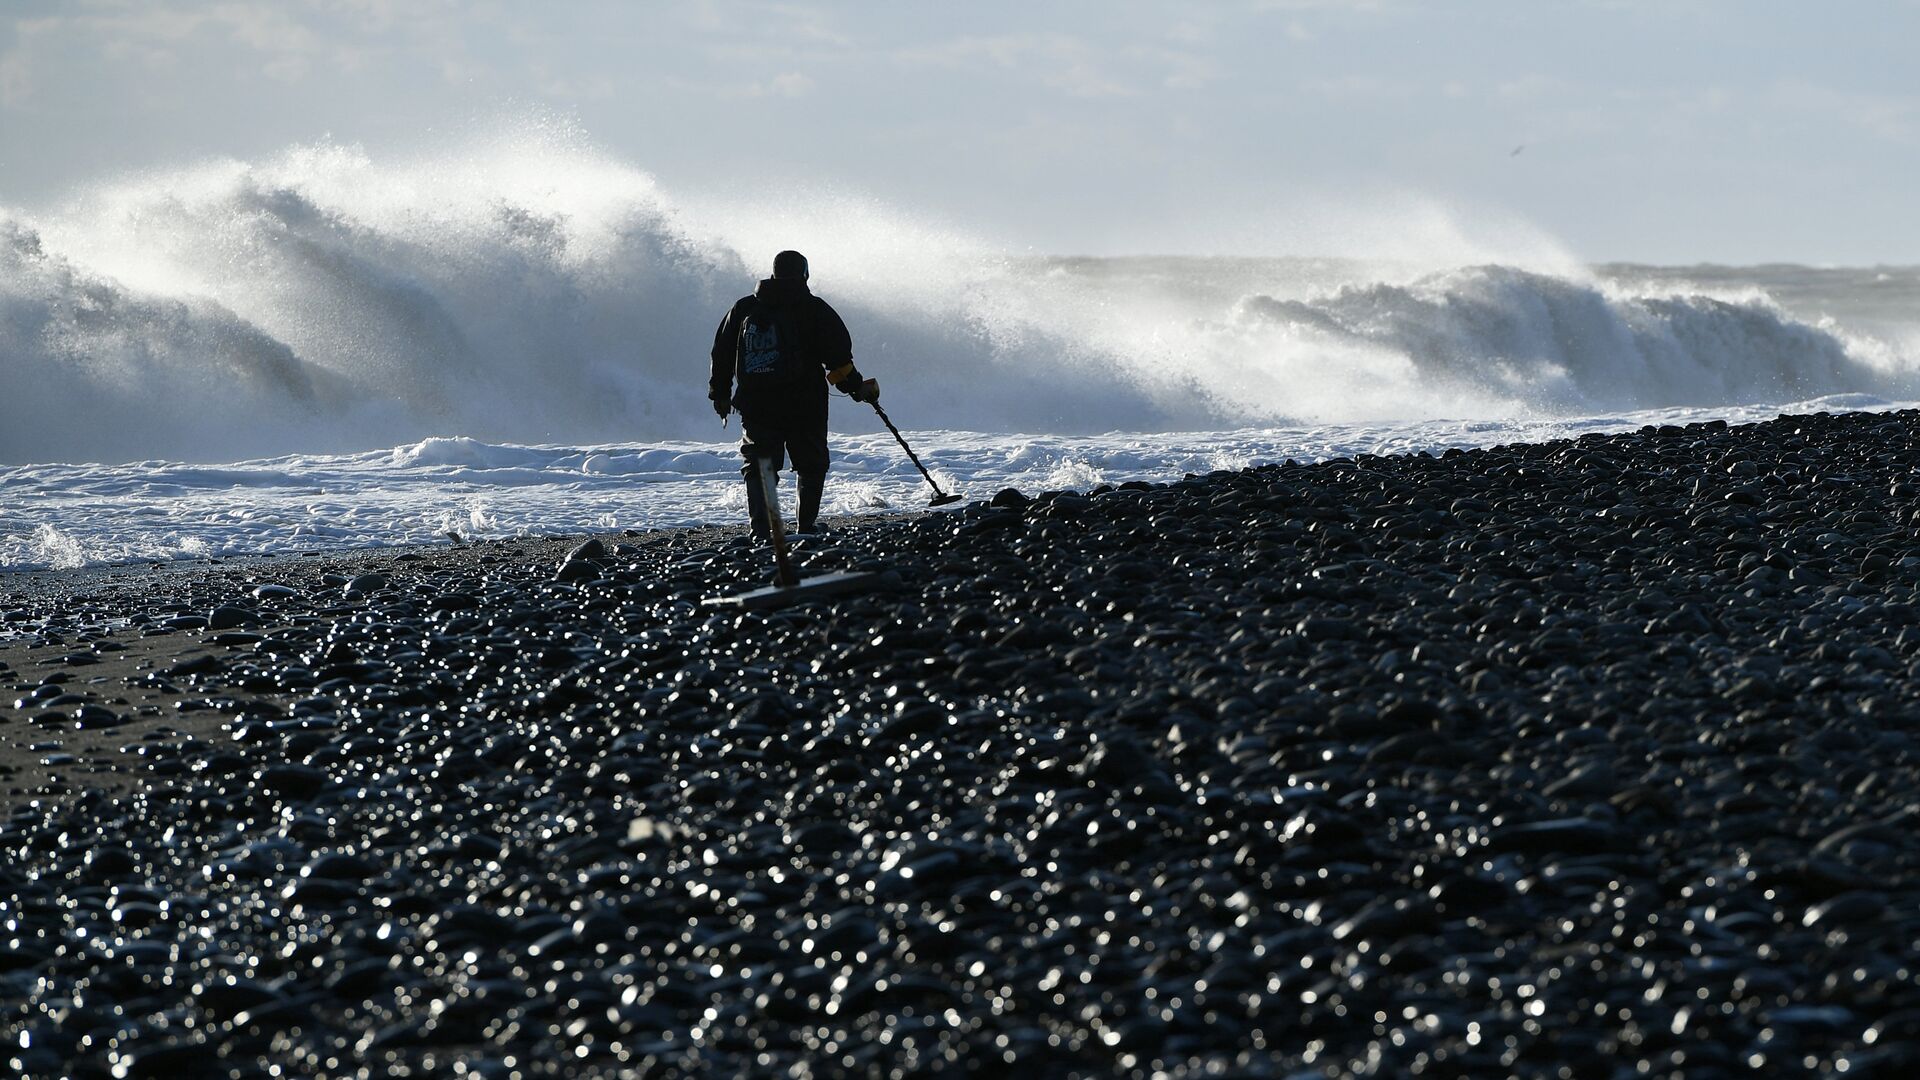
<point>768,357</point>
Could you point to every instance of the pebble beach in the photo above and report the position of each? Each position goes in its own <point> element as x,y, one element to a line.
<point>1594,758</point>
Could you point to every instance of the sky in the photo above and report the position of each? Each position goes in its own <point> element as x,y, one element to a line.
<point>1670,131</point>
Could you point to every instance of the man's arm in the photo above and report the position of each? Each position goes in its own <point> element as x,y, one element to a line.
<point>720,380</point>
<point>833,345</point>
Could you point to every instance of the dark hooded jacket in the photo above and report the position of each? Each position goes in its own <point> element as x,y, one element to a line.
<point>820,336</point>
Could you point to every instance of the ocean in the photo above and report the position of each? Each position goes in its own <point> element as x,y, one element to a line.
<point>325,350</point>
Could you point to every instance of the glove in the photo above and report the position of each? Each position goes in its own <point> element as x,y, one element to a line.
<point>722,407</point>
<point>867,392</point>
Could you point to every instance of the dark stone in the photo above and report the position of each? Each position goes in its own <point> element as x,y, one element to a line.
<point>292,781</point>
<point>206,664</point>
<point>229,618</point>
<point>1573,836</point>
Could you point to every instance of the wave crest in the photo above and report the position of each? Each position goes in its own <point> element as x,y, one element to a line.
<point>534,292</point>
<point>1549,343</point>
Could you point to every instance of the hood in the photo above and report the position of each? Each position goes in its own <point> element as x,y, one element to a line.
<point>781,290</point>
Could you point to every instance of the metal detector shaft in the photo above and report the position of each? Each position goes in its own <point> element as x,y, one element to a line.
<point>902,439</point>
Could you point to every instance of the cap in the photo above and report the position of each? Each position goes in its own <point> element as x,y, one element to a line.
<point>790,264</point>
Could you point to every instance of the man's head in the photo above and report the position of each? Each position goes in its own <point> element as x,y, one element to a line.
<point>790,264</point>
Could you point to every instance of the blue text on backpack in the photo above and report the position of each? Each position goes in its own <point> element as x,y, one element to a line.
<point>767,350</point>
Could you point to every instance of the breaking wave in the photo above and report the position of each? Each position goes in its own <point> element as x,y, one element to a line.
<point>1553,345</point>
<point>531,291</point>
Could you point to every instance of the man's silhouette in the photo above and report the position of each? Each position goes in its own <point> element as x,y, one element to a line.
<point>769,358</point>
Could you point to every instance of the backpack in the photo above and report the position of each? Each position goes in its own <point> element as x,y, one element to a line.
<point>769,352</point>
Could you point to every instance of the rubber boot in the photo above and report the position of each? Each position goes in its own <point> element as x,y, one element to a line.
<point>811,488</point>
<point>756,501</point>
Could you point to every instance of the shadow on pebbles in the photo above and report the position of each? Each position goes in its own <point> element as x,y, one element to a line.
<point>1592,758</point>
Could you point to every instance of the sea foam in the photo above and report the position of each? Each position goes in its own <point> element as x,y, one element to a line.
<point>63,516</point>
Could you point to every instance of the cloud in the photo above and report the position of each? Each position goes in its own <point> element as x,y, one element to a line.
<point>288,48</point>
<point>1530,87</point>
<point>19,66</point>
<point>1323,5</point>
<point>1197,28</point>
<point>1187,71</point>
<point>574,87</point>
<point>1887,117</point>
<point>1068,64</point>
<point>16,80</point>
<point>279,39</point>
<point>791,84</point>
<point>806,24</point>
<point>374,16</point>
<point>1356,89</point>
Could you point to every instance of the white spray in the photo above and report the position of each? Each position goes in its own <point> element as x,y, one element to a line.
<point>530,290</point>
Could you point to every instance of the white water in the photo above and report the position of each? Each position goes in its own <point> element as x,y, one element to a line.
<point>528,321</point>
<point>62,516</point>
